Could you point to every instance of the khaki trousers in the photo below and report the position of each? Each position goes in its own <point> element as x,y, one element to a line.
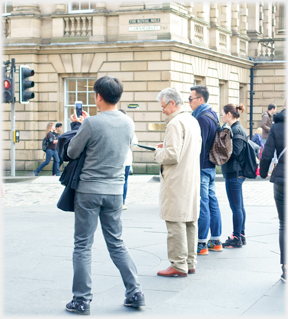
<point>182,243</point>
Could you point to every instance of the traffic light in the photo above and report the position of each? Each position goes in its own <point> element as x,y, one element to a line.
<point>8,90</point>
<point>24,84</point>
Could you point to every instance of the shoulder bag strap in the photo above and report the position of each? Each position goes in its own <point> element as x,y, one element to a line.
<point>216,122</point>
<point>283,151</point>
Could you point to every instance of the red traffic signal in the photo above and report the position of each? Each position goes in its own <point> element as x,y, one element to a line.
<point>7,84</point>
<point>8,90</point>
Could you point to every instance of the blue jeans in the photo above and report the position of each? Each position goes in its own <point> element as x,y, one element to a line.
<point>88,207</point>
<point>49,154</point>
<point>127,170</point>
<point>235,197</point>
<point>210,216</point>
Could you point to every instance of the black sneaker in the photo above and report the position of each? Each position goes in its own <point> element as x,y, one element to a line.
<point>80,307</point>
<point>135,301</point>
<point>243,239</point>
<point>233,242</point>
<point>283,276</point>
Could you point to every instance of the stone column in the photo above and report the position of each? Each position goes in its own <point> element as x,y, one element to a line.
<point>235,18</point>
<point>243,18</point>
<point>267,20</point>
<point>224,16</point>
<point>214,14</point>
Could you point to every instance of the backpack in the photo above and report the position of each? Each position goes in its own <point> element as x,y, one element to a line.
<point>222,146</point>
<point>44,144</point>
<point>249,167</point>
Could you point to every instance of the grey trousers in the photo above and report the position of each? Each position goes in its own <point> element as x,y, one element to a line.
<point>109,208</point>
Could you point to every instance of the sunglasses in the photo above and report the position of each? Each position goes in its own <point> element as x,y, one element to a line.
<point>191,99</point>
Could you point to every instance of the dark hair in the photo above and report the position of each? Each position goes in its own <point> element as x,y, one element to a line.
<point>122,111</point>
<point>234,110</point>
<point>271,106</point>
<point>58,125</point>
<point>202,91</point>
<point>109,88</point>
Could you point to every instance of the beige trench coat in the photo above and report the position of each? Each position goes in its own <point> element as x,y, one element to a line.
<point>180,165</point>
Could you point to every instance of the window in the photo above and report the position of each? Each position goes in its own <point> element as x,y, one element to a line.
<point>80,7</point>
<point>78,90</point>
<point>7,8</point>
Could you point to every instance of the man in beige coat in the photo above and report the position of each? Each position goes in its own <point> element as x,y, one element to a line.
<point>179,156</point>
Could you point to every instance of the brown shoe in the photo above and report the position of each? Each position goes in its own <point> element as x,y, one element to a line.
<point>192,271</point>
<point>171,272</point>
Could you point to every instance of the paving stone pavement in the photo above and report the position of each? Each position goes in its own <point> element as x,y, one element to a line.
<point>38,245</point>
<point>142,189</point>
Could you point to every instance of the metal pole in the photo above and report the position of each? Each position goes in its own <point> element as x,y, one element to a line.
<point>251,101</point>
<point>13,120</point>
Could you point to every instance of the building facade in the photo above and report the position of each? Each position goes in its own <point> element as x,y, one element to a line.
<point>149,46</point>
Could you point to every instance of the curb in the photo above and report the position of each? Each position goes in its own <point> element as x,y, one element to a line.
<point>18,179</point>
<point>220,178</point>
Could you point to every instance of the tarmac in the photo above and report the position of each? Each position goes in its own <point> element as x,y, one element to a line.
<point>38,244</point>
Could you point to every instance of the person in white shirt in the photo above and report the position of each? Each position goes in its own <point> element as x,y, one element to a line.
<point>128,165</point>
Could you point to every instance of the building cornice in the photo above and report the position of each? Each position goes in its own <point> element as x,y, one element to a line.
<point>123,46</point>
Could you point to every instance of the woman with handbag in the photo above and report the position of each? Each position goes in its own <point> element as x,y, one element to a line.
<point>51,151</point>
<point>233,175</point>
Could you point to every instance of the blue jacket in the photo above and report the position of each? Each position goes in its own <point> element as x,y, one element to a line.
<point>208,130</point>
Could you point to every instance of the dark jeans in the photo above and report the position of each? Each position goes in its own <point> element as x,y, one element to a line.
<point>49,154</point>
<point>210,216</point>
<point>127,170</point>
<point>235,197</point>
<point>88,207</point>
<point>279,196</point>
<point>60,163</point>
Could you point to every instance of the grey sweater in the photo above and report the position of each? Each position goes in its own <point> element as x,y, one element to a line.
<point>107,138</point>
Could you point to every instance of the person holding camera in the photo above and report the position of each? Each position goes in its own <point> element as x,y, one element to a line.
<point>99,194</point>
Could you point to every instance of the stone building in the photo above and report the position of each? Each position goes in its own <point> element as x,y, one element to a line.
<point>149,46</point>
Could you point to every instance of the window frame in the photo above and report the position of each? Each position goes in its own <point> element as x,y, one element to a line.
<point>70,10</point>
<point>66,99</point>
<point>5,14</point>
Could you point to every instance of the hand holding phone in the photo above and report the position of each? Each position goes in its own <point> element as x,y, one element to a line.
<point>78,108</point>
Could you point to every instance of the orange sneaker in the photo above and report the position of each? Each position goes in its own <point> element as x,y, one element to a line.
<point>202,249</point>
<point>215,245</point>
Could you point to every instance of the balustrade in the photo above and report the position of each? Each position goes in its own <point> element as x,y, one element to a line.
<point>78,26</point>
<point>267,48</point>
<point>199,32</point>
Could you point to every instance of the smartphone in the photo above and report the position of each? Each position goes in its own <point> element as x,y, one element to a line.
<point>78,107</point>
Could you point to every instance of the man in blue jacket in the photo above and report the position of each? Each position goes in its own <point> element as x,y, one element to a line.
<point>210,216</point>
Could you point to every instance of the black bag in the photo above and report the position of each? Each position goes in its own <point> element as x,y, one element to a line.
<point>45,144</point>
<point>222,146</point>
<point>249,166</point>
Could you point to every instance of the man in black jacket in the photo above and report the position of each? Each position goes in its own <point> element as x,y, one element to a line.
<point>210,216</point>
<point>276,141</point>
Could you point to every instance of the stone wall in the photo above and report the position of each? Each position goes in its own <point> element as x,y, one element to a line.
<point>269,87</point>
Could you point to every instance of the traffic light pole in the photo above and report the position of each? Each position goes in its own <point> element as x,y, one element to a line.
<point>13,121</point>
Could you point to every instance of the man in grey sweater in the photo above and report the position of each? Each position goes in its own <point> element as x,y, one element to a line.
<point>107,138</point>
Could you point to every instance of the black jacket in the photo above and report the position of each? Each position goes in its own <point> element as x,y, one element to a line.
<point>233,167</point>
<point>275,141</point>
<point>70,176</point>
